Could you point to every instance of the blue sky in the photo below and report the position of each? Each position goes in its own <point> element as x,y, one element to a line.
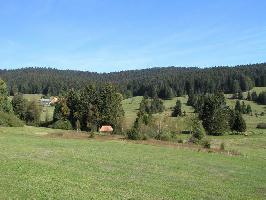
<point>114,35</point>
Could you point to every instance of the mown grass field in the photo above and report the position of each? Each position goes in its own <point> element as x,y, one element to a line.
<point>35,166</point>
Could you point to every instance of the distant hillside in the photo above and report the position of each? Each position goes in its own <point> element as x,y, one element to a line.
<point>164,82</point>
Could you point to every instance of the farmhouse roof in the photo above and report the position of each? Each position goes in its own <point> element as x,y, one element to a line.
<point>106,129</point>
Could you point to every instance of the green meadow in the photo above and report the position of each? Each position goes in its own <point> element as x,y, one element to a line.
<point>36,163</point>
<point>36,166</point>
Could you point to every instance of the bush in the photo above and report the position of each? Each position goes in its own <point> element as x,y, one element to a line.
<point>206,144</point>
<point>165,136</point>
<point>198,132</point>
<point>134,134</point>
<point>92,135</point>
<point>10,120</point>
<point>222,146</point>
<point>62,124</point>
<point>186,132</point>
<point>261,126</point>
<point>180,141</point>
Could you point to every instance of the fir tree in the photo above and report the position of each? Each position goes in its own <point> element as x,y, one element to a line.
<point>5,104</point>
<point>249,98</point>
<point>214,115</point>
<point>177,109</point>
<point>243,108</point>
<point>248,110</point>
<point>239,123</point>
<point>19,106</point>
<point>238,106</point>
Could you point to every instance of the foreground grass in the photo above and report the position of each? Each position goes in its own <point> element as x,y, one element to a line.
<point>37,167</point>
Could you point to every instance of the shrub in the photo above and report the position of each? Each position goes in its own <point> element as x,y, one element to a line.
<point>198,132</point>
<point>261,126</point>
<point>165,136</point>
<point>10,120</point>
<point>62,124</point>
<point>92,135</point>
<point>222,146</point>
<point>206,144</point>
<point>186,132</point>
<point>133,134</point>
<point>180,141</point>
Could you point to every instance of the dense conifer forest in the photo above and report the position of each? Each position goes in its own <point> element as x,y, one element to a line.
<point>162,82</point>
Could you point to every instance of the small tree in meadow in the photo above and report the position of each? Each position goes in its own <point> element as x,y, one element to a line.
<point>177,109</point>
<point>249,109</point>
<point>239,123</point>
<point>238,107</point>
<point>196,128</point>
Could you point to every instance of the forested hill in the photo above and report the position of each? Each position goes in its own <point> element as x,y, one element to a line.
<point>165,82</point>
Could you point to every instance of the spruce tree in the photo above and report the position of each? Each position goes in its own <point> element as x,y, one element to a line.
<point>156,106</point>
<point>243,108</point>
<point>254,96</point>
<point>239,123</point>
<point>33,113</point>
<point>19,106</point>
<point>238,106</point>
<point>214,115</point>
<point>5,104</point>
<point>177,109</point>
<point>191,99</point>
<point>249,98</point>
<point>248,110</point>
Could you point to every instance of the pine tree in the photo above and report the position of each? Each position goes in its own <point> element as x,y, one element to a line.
<point>238,106</point>
<point>5,104</point>
<point>19,106</point>
<point>254,96</point>
<point>239,123</point>
<point>196,128</point>
<point>214,115</point>
<point>177,109</point>
<point>261,98</point>
<point>191,99</point>
<point>156,106</point>
<point>248,110</point>
<point>240,95</point>
<point>33,113</point>
<point>243,108</point>
<point>73,103</point>
<point>249,98</point>
<point>89,111</point>
<point>110,107</point>
<point>236,87</point>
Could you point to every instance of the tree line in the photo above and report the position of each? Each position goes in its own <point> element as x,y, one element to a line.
<point>161,82</point>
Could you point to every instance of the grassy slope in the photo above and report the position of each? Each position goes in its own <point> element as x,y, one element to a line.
<point>252,121</point>
<point>33,166</point>
<point>131,108</point>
